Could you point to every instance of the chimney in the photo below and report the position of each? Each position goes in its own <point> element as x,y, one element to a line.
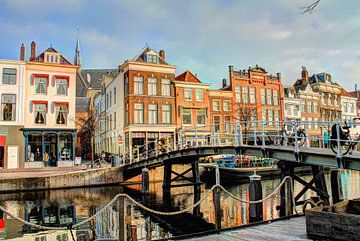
<point>162,54</point>
<point>304,75</point>
<point>33,48</point>
<point>224,83</point>
<point>22,52</point>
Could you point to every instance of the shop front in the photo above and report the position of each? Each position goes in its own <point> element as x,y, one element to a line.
<point>50,147</point>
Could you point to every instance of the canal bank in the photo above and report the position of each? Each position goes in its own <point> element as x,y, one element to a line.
<point>59,178</point>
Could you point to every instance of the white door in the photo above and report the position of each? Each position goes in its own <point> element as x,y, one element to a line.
<point>13,157</point>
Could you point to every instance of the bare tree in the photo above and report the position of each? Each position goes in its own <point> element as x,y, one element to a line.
<point>310,7</point>
<point>246,114</point>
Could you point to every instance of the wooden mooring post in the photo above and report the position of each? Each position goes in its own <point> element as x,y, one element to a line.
<point>255,193</point>
<point>216,200</point>
<point>336,188</point>
<point>286,206</point>
<point>145,180</point>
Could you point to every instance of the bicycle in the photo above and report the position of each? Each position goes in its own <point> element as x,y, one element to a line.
<point>346,144</point>
<point>279,138</point>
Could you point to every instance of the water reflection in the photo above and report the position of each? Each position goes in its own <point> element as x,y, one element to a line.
<point>62,207</point>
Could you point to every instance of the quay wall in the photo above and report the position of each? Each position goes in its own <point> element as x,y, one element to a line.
<point>81,178</point>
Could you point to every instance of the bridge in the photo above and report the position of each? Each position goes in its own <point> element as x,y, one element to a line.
<point>286,141</point>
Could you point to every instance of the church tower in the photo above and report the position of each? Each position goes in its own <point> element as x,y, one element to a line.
<point>77,58</point>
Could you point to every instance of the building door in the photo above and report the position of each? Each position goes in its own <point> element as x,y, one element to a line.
<point>2,155</point>
<point>13,157</point>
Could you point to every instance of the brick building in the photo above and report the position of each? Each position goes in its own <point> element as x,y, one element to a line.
<point>222,115</point>
<point>149,99</point>
<point>256,96</point>
<point>192,108</point>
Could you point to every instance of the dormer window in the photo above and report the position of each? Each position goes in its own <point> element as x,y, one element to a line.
<point>52,57</point>
<point>152,58</point>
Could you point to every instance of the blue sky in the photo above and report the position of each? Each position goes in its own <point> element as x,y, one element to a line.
<point>202,36</point>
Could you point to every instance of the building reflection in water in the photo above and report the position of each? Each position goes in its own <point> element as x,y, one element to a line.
<point>61,207</point>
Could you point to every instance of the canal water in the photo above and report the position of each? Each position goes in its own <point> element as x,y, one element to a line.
<point>62,207</point>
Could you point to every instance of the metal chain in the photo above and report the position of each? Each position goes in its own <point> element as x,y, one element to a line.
<point>136,203</point>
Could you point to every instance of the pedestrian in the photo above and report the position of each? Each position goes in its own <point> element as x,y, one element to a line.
<point>46,159</point>
<point>326,139</point>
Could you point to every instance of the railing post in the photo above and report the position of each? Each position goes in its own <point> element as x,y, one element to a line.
<point>216,200</point>
<point>262,134</point>
<point>339,154</point>
<point>240,135</point>
<point>306,136</point>
<point>196,136</point>
<point>236,140</point>
<point>255,125</point>
<point>296,146</point>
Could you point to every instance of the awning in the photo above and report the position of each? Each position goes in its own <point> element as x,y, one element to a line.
<point>2,140</point>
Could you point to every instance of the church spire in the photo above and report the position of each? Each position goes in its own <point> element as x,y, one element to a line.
<point>77,58</point>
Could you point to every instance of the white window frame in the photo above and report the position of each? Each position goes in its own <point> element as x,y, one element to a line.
<point>152,86</point>
<point>199,97</point>
<point>165,87</point>
<point>216,107</point>
<point>188,97</point>
<point>138,85</point>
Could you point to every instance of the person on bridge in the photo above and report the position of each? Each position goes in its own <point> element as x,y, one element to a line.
<point>326,139</point>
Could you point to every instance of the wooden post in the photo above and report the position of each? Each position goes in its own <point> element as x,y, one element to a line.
<point>216,200</point>
<point>336,188</point>
<point>145,180</point>
<point>167,183</point>
<point>134,232</point>
<point>320,183</point>
<point>286,206</point>
<point>255,192</point>
<point>197,188</point>
<point>122,221</point>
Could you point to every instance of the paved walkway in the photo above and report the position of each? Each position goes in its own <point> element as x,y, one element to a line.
<point>40,172</point>
<point>292,229</point>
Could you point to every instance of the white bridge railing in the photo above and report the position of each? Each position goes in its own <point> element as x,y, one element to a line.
<point>341,137</point>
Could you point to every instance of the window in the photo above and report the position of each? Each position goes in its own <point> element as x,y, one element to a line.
<point>216,105</point>
<point>110,99</point>
<point>315,108</point>
<point>276,98</point>
<point>263,115</point>
<point>316,123</point>
<point>335,100</point>
<point>227,124</point>
<point>309,122</point>
<point>40,113</point>
<point>252,95</point>
<point>61,86</point>
<point>276,116</point>
<point>139,113</point>
<point>187,116</point>
<point>352,109</point>
<point>188,94</point>
<point>127,114</point>
<point>201,116</point>
<point>153,114</point>
<point>61,114</point>
<point>309,107</point>
<point>269,97</point>
<point>217,123</point>
<point>8,107</point>
<point>198,95</point>
<point>262,94</point>
<point>114,95</point>
<point>114,120</point>
<point>271,117</point>
<point>126,85</point>
<point>226,106</point>
<point>9,76</point>
<point>237,94</point>
<point>152,59</point>
<point>296,110</point>
<point>245,95</point>
<point>110,122</point>
<point>138,85</point>
<point>165,87</point>
<point>302,106</point>
<point>107,101</point>
<point>329,99</point>
<point>152,86</point>
<point>40,85</point>
<point>166,114</point>
<point>288,109</point>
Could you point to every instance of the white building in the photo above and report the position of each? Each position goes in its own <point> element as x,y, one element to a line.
<point>12,76</point>
<point>291,104</point>
<point>349,111</point>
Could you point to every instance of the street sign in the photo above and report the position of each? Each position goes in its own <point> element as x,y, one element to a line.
<point>120,140</point>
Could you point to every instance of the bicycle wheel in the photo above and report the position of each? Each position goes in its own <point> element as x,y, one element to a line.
<point>345,146</point>
<point>301,139</point>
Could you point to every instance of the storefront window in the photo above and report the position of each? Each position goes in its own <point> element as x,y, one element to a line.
<point>34,148</point>
<point>65,147</point>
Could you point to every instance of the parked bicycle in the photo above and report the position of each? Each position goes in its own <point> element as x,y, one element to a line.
<point>346,144</point>
<point>279,138</point>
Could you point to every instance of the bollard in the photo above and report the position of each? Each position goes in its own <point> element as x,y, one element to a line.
<point>145,180</point>
<point>336,188</point>
<point>134,232</point>
<point>216,200</point>
<point>255,193</point>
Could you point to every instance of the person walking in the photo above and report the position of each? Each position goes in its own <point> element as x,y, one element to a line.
<point>326,139</point>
